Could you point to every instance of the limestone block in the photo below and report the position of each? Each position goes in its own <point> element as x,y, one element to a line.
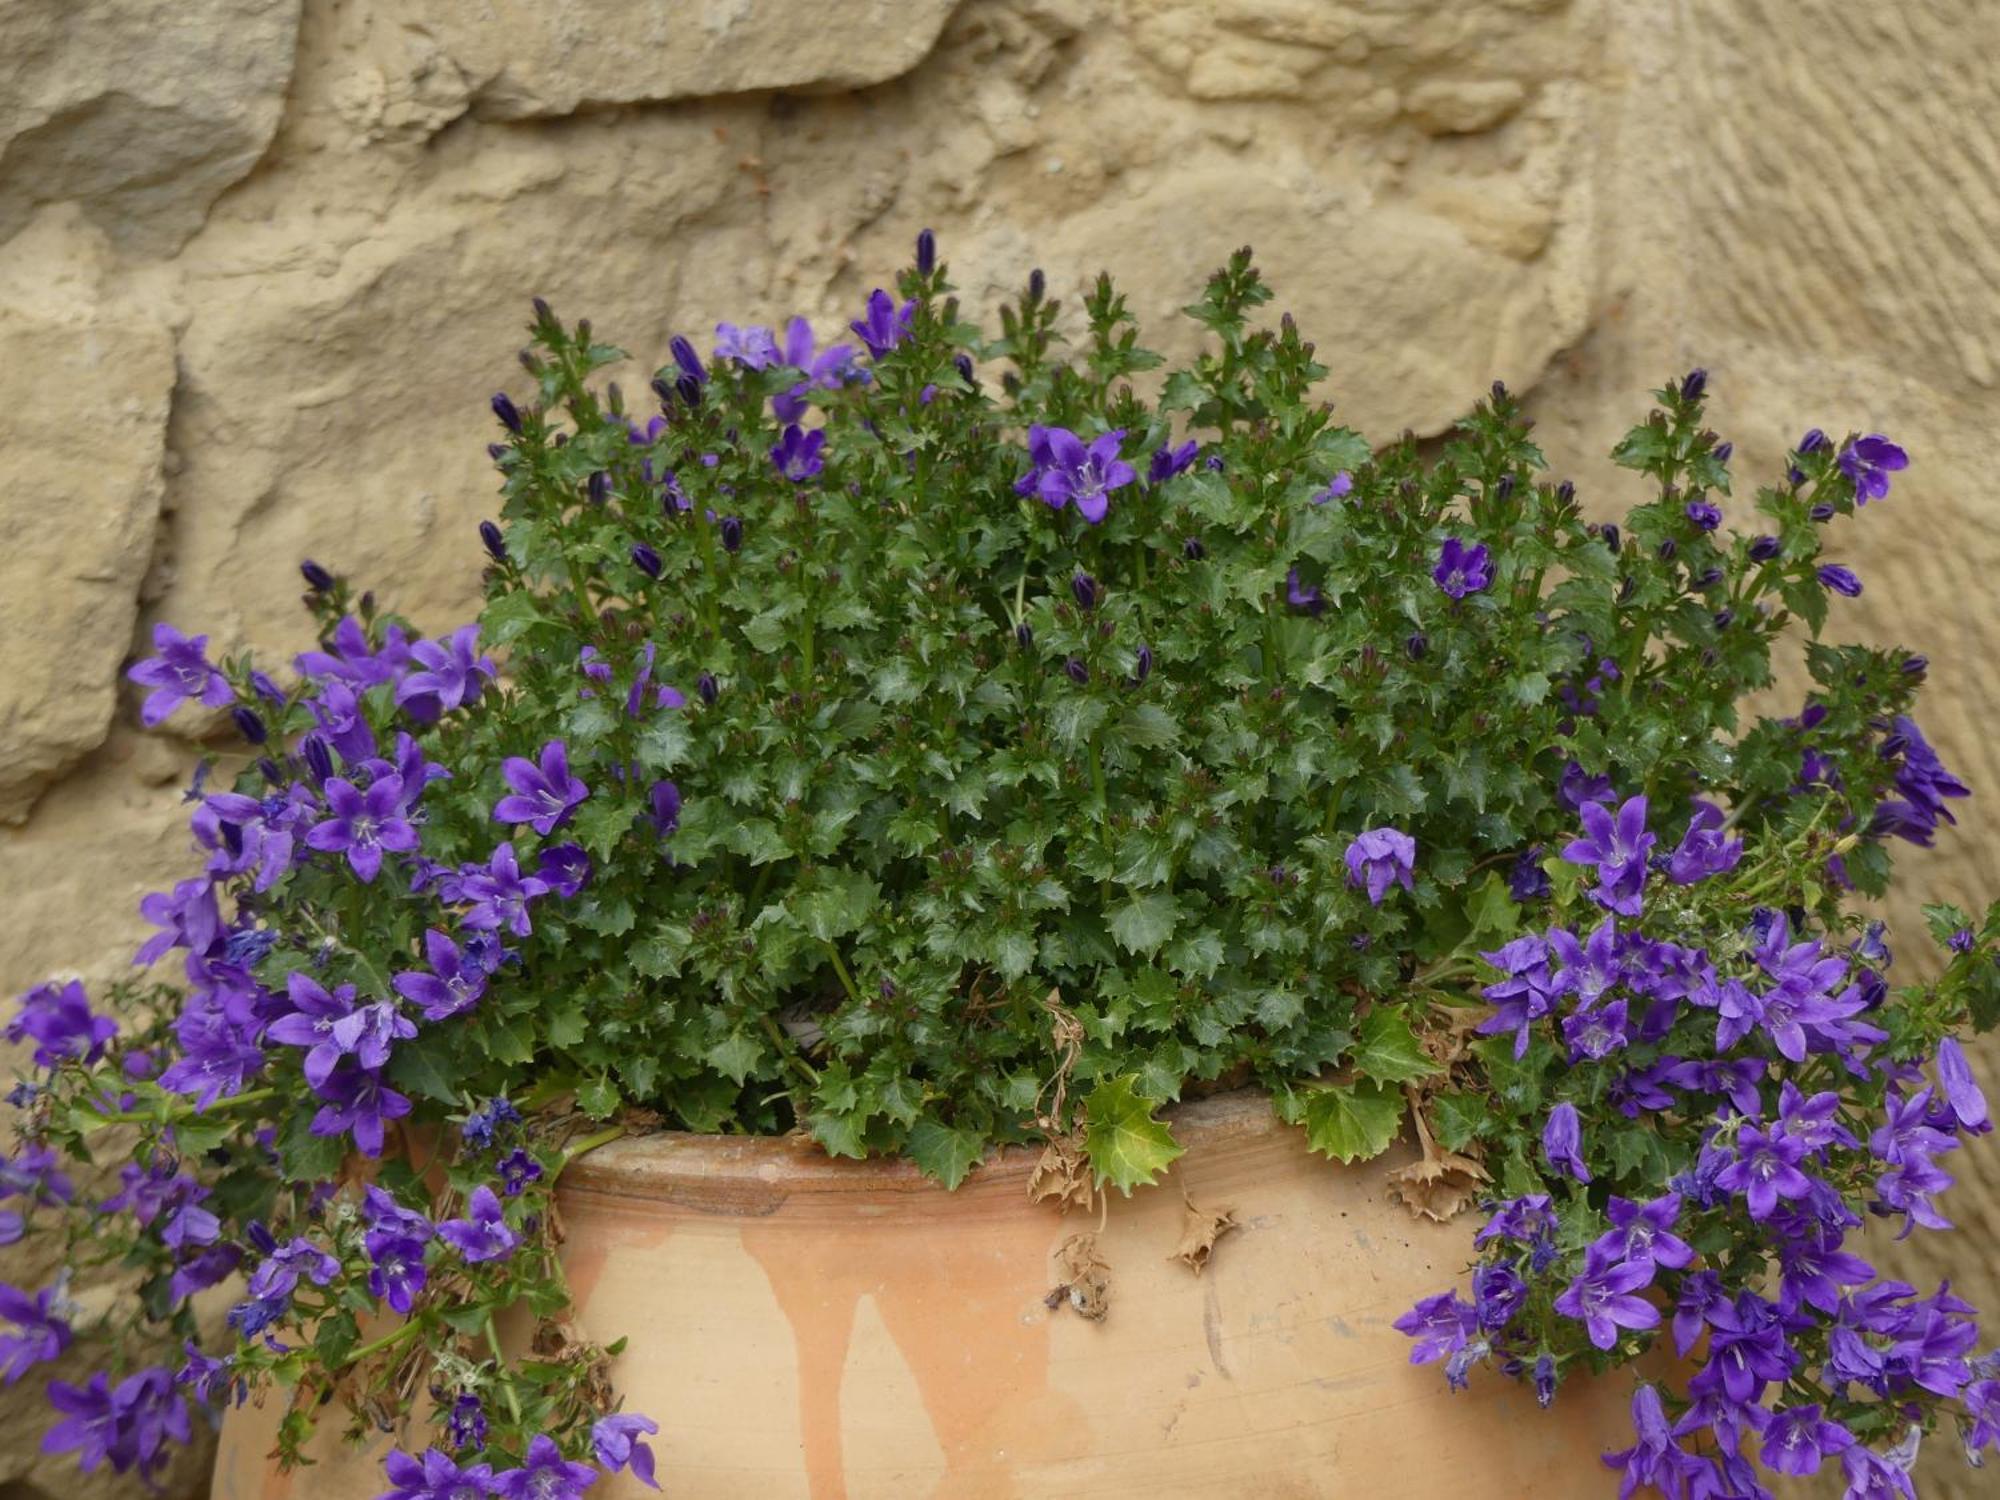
<point>142,110</point>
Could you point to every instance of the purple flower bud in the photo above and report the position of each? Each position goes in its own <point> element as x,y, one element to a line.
<point>496,544</point>
<point>1724,618</point>
<point>1193,550</point>
<point>1504,490</point>
<point>732,533</point>
<point>317,578</point>
<point>705,686</point>
<point>645,559</point>
<point>1723,451</point>
<point>664,807</point>
<point>1764,548</point>
<point>598,488</point>
<point>1821,512</point>
<point>1142,666</point>
<point>249,725</point>
<point>1915,666</point>
<point>319,761</point>
<point>1038,285</point>
<point>1812,442</point>
<point>1694,385</point>
<point>664,389</point>
<point>686,358</point>
<point>508,413</point>
<point>1841,580</point>
<point>1078,672</point>
<point>1416,646</point>
<point>1565,494</point>
<point>1084,587</point>
<point>1499,391</point>
<point>1667,549</point>
<point>1708,578</point>
<point>689,390</point>
<point>271,771</point>
<point>1024,636</point>
<point>1610,534</point>
<point>1706,517</point>
<point>963,364</point>
<point>926,252</point>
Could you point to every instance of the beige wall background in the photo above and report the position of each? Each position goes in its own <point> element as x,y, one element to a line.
<point>262,261</point>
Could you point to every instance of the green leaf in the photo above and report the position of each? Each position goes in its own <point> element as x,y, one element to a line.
<point>598,1098</point>
<point>1352,1122</point>
<point>838,903</point>
<point>735,1056</point>
<point>417,1068</point>
<point>1143,923</point>
<point>1388,1050</point>
<point>509,616</point>
<point>1125,1144</point>
<point>944,1152</point>
<point>1493,912</point>
<point>1458,1119</point>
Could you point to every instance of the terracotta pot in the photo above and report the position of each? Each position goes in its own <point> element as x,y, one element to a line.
<point>837,1330</point>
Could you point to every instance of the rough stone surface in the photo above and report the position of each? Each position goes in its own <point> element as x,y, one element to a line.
<point>143,110</point>
<point>316,223</point>
<point>83,418</point>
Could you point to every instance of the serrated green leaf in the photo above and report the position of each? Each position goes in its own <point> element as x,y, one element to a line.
<point>945,1152</point>
<point>1142,924</point>
<point>1352,1122</point>
<point>417,1068</point>
<point>1125,1144</point>
<point>1459,1119</point>
<point>735,1056</point>
<point>598,1098</point>
<point>1388,1050</point>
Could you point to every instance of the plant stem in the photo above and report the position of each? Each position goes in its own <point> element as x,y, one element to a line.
<point>588,1143</point>
<point>840,968</point>
<point>387,1341</point>
<point>785,1050</point>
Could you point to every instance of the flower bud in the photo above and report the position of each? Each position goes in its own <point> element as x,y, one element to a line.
<point>598,488</point>
<point>1667,549</point>
<point>687,359</point>
<point>1565,493</point>
<point>508,413</point>
<point>495,543</point>
<point>1723,452</point>
<point>705,686</point>
<point>664,389</point>
<point>1084,588</point>
<point>963,363</point>
<point>249,725</point>
<point>926,252</point>
<point>1504,490</point>
<point>732,533</point>
<point>1499,391</point>
<point>1193,550</point>
<point>271,771</point>
<point>1038,285</point>
<point>1416,646</point>
<point>1694,385</point>
<point>1610,534</point>
<point>317,578</point>
<point>1813,441</point>
<point>1078,672</point>
<point>543,312</point>
<point>1142,666</point>
<point>645,559</point>
<point>319,761</point>
<point>1821,511</point>
<point>1764,548</point>
<point>1915,666</point>
<point>1024,636</point>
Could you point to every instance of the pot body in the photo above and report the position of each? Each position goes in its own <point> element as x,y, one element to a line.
<point>810,1329</point>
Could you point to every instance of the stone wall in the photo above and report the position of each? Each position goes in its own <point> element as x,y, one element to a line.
<point>261,261</point>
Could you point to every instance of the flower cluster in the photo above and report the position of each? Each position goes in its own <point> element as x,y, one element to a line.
<point>1766,1097</point>
<point>829,712</point>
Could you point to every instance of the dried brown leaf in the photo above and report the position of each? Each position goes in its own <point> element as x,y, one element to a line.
<point>1440,1186</point>
<point>1063,1173</point>
<point>1199,1232</point>
<point>1086,1278</point>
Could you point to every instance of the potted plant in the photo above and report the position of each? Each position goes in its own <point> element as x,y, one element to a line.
<point>899,791</point>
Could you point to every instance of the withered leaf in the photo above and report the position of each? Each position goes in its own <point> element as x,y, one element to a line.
<point>1086,1278</point>
<point>1063,1173</point>
<point>1440,1186</point>
<point>1202,1228</point>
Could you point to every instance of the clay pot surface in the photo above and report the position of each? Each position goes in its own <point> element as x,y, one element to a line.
<point>805,1328</point>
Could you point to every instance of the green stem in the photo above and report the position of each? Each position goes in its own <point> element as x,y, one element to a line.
<point>388,1341</point>
<point>783,1043</point>
<point>587,1144</point>
<point>840,968</point>
<point>500,1365</point>
<point>1096,775</point>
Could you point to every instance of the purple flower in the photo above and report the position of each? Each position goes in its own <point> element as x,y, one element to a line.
<point>452,674</point>
<point>796,455</point>
<point>543,796</point>
<point>40,1333</point>
<point>332,1027</point>
<point>500,894</point>
<point>754,347</point>
<point>483,1124</point>
<point>353,661</point>
<point>364,824</point>
<point>205,1378</point>
<point>1706,517</point>
<point>1841,580</point>
<point>1874,1476</point>
<point>1441,1325</point>
<point>1379,858</point>
<point>1527,1220</point>
<point>188,919</point>
<point>1579,786</point>
<point>1869,461</point>
<point>884,325</point>
<point>566,867</point>
<point>179,673</point>
<point>35,1173</point>
<point>396,1267</point>
<point>546,1475</point>
<point>1562,1140</point>
<point>358,1104</point>
<point>482,1234</point>
<point>466,1425</point>
<point>1341,484</point>
<point>1460,569</point>
<point>1497,1294</point>
<point>1765,1169</point>
<point>1066,470</point>
<point>127,1426</point>
<point>1524,995</point>
<point>1961,1090</point>
<point>1643,1232</point>
<point>60,1023</point>
<point>1603,1298</point>
<point>1618,848</point>
<point>616,1441</point>
<point>663,804</point>
<point>1526,879</point>
<point>1597,1030</point>
<point>517,1169</point>
<point>1302,596</point>
<point>1703,850</point>
<point>1655,1459</point>
<point>436,1477</point>
<point>454,984</point>
<point>827,370</point>
<point>1167,461</point>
